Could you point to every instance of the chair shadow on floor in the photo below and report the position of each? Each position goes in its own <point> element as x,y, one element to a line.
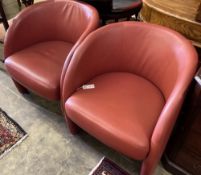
<point>53,106</point>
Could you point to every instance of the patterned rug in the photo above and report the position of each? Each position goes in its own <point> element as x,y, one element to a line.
<point>107,167</point>
<point>11,134</point>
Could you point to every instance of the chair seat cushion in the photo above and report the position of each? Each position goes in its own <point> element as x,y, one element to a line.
<point>39,67</point>
<point>121,111</point>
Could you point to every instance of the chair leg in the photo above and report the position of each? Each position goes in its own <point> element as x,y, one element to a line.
<point>21,88</point>
<point>74,129</point>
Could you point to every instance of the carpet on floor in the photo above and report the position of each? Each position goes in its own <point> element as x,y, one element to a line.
<point>11,134</point>
<point>107,167</point>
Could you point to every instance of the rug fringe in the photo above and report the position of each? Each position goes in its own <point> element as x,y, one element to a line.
<point>92,171</point>
<point>16,144</point>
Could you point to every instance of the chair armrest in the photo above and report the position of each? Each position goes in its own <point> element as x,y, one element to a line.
<point>198,16</point>
<point>162,132</point>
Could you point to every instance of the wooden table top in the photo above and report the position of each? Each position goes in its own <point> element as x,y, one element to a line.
<point>186,9</point>
<point>179,15</point>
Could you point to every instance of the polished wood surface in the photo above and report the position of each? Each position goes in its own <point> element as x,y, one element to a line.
<point>179,15</point>
<point>116,10</point>
<point>198,16</point>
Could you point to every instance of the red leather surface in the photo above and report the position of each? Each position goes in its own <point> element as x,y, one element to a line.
<point>50,20</point>
<point>53,29</point>
<point>121,105</point>
<point>39,67</point>
<point>161,56</point>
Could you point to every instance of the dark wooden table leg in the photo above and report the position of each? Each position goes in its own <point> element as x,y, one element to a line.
<point>27,2</point>
<point>19,3</point>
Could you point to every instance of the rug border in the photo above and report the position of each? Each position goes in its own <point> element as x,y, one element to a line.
<point>97,165</point>
<point>19,141</point>
<point>111,162</point>
<point>12,147</point>
<point>1,110</point>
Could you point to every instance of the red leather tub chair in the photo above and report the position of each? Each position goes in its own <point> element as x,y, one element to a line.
<point>41,40</point>
<point>140,73</point>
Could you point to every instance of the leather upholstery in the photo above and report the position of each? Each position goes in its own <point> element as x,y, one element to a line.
<point>103,113</point>
<point>41,41</point>
<point>42,72</point>
<point>141,73</point>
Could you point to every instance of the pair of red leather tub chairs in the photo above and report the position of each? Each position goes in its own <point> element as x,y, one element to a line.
<point>139,74</point>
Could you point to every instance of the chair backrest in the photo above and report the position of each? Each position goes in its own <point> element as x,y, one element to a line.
<point>156,53</point>
<point>63,20</point>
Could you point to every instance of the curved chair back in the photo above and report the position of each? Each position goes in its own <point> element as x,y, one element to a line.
<point>152,53</point>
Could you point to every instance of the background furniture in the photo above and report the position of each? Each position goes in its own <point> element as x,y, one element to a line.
<point>116,9</point>
<point>177,14</point>
<point>102,6</point>
<point>3,18</point>
<point>27,2</point>
<point>38,49</point>
<point>198,16</point>
<point>138,90</point>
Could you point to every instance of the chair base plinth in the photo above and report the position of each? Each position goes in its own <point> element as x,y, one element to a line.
<point>21,88</point>
<point>73,128</point>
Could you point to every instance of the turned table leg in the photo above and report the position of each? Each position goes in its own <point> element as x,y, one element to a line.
<point>27,2</point>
